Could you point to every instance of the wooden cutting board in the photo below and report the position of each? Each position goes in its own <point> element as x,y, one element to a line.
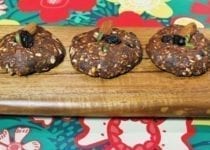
<point>145,91</point>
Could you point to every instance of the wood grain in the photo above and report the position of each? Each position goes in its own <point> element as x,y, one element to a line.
<point>145,91</point>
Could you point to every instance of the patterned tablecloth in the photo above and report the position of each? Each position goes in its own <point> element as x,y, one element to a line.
<point>38,133</point>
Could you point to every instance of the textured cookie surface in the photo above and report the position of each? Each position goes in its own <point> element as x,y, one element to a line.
<point>46,53</point>
<point>179,60</point>
<point>101,59</point>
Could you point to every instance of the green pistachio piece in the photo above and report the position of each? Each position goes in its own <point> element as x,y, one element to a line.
<point>17,38</point>
<point>190,45</point>
<point>105,48</point>
<point>100,36</point>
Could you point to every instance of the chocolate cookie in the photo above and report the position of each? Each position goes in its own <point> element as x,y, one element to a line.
<point>180,50</point>
<point>105,55</point>
<point>29,50</point>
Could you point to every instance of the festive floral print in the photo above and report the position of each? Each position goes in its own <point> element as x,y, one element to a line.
<point>108,133</point>
<point>156,8</point>
<point>202,9</point>
<point>131,19</point>
<point>94,133</point>
<point>55,10</point>
<point>7,144</point>
<point>122,135</point>
<point>8,22</point>
<point>135,134</point>
<point>43,11</point>
<point>3,7</point>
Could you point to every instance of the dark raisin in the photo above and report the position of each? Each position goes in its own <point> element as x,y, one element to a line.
<point>112,39</point>
<point>167,39</point>
<point>179,40</point>
<point>27,40</point>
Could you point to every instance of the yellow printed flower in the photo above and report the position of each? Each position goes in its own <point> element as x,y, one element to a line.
<point>156,8</point>
<point>8,22</point>
<point>204,122</point>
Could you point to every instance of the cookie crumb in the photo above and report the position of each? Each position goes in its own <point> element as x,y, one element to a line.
<point>198,57</point>
<point>52,59</point>
<point>38,54</point>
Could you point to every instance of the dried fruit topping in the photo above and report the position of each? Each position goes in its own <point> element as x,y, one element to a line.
<point>26,39</point>
<point>175,39</point>
<point>25,36</point>
<point>31,28</point>
<point>167,38</point>
<point>106,27</point>
<point>179,40</point>
<point>189,29</point>
<point>183,37</point>
<point>112,39</point>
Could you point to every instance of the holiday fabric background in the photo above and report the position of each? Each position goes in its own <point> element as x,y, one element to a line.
<point>51,133</point>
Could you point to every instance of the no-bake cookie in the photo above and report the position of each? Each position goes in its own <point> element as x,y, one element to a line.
<point>180,50</point>
<point>105,52</point>
<point>29,50</point>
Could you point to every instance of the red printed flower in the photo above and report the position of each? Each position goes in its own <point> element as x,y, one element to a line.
<point>8,142</point>
<point>121,136</point>
<point>55,10</point>
<point>131,19</point>
<point>135,134</point>
<point>202,9</point>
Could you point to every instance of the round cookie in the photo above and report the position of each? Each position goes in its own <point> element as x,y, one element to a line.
<point>30,50</point>
<point>180,50</point>
<point>114,54</point>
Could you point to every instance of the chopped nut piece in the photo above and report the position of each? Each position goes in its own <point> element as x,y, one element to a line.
<point>95,35</point>
<point>93,69</point>
<point>52,59</point>
<point>38,54</point>
<point>74,61</point>
<point>99,66</point>
<point>198,57</point>
<point>189,29</point>
<point>106,27</point>
<point>31,28</point>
